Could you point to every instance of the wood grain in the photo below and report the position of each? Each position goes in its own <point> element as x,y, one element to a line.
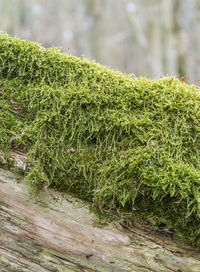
<point>56,232</point>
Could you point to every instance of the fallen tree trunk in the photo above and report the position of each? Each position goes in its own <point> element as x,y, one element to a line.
<point>100,128</point>
<point>56,232</point>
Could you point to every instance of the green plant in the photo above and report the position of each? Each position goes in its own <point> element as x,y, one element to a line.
<point>130,145</point>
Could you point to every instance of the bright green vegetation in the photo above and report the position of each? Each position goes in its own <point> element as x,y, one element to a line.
<point>130,145</point>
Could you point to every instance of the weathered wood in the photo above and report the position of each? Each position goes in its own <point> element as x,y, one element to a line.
<point>56,232</point>
<point>19,159</point>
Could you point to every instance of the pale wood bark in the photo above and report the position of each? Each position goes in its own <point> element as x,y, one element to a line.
<point>56,232</point>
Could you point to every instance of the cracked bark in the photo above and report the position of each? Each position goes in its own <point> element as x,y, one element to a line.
<point>56,232</point>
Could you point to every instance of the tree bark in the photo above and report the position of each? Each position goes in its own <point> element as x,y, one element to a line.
<point>56,232</point>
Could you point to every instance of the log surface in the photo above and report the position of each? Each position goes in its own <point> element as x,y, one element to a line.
<point>56,232</point>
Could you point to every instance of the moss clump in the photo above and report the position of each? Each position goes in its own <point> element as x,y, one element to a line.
<point>130,145</point>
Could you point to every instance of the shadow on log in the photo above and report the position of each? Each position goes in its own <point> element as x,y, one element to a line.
<point>56,232</point>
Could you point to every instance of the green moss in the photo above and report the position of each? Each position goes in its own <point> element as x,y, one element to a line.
<point>130,145</point>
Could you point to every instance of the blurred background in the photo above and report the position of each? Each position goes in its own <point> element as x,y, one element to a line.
<point>144,37</point>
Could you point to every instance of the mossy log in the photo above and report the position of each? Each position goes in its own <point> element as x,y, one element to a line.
<point>56,232</point>
<point>129,145</point>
